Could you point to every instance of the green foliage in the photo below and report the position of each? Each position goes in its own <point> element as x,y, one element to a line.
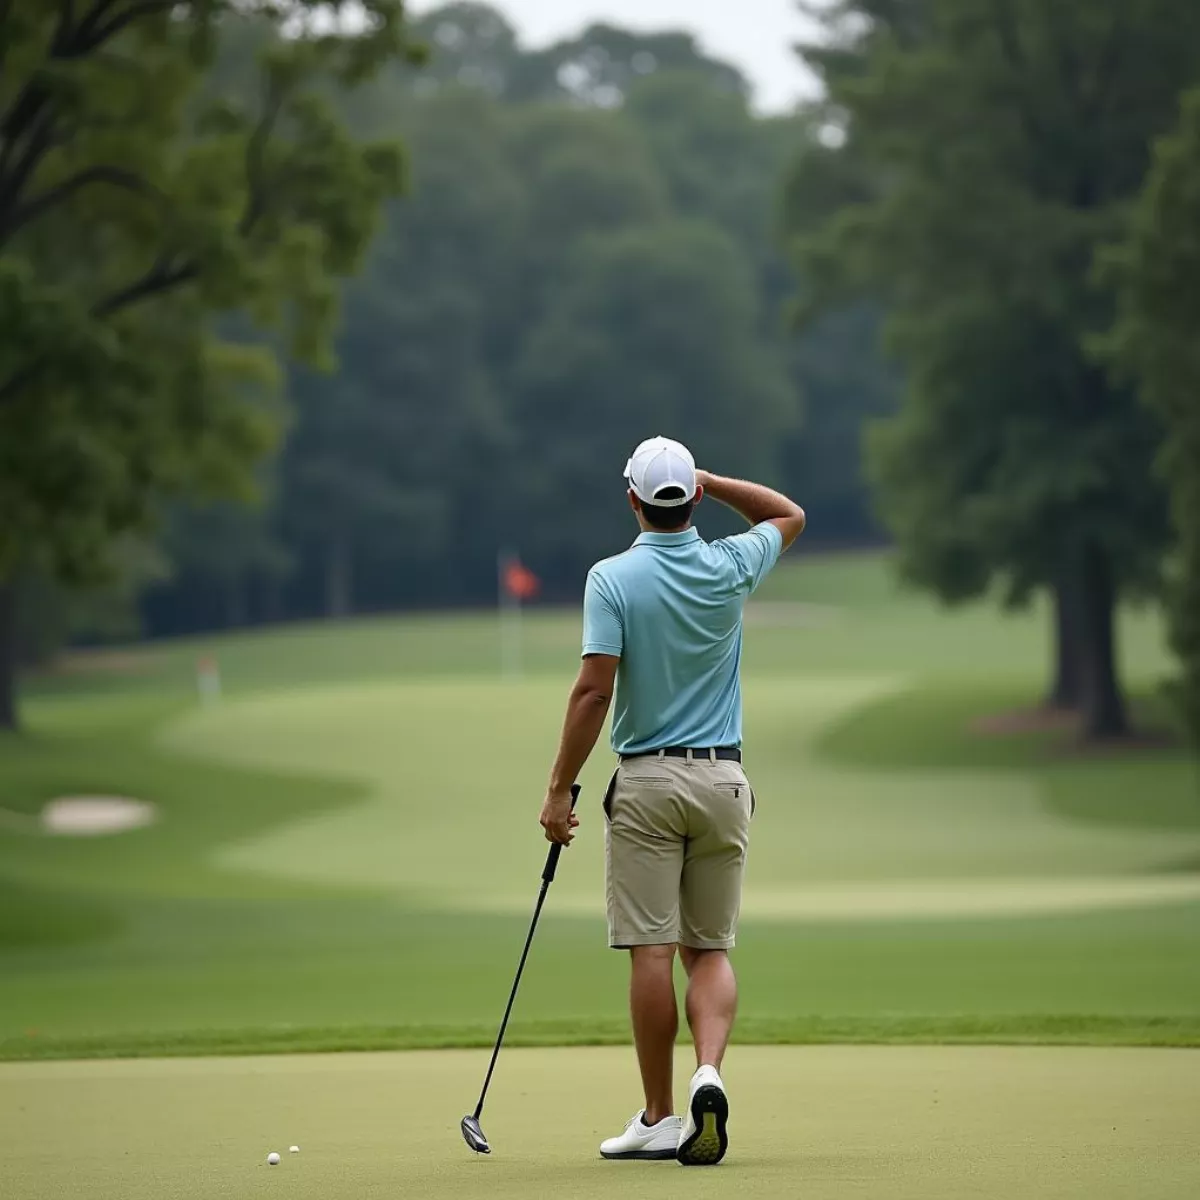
<point>492,344</point>
<point>595,377</point>
<point>407,465</point>
<point>994,147</point>
<point>129,214</point>
<point>134,209</point>
<point>1156,341</point>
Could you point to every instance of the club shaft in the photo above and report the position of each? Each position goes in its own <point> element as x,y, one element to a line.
<point>537,912</point>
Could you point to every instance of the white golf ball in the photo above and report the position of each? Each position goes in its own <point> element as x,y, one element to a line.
<point>273,1159</point>
<point>293,1149</point>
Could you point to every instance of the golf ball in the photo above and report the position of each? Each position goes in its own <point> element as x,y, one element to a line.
<point>272,1159</point>
<point>293,1149</point>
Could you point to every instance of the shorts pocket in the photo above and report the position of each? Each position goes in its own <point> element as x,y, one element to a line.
<point>608,797</point>
<point>649,781</point>
<point>737,790</point>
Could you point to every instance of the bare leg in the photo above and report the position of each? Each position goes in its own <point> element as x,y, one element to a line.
<point>711,1002</point>
<point>655,1024</point>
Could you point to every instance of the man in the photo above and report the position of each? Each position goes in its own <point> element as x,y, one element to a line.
<point>663,626</point>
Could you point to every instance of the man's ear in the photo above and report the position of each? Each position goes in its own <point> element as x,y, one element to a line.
<point>699,493</point>
<point>633,502</point>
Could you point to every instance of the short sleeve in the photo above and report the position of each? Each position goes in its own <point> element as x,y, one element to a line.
<point>754,553</point>
<point>603,632</point>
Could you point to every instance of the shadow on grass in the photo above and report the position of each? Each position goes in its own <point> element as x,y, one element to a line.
<point>938,726</point>
<point>1016,1029</point>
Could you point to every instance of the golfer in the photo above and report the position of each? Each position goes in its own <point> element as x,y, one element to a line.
<point>662,628</point>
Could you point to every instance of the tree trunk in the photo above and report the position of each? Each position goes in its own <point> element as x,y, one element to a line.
<point>1066,691</point>
<point>235,603</point>
<point>272,601</point>
<point>1101,703</point>
<point>8,656</point>
<point>338,578</point>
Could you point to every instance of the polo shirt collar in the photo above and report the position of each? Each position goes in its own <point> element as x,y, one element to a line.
<point>668,539</point>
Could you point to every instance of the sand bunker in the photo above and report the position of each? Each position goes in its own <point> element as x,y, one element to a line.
<point>95,816</point>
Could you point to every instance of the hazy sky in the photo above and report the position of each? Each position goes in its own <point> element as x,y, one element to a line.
<point>754,35</point>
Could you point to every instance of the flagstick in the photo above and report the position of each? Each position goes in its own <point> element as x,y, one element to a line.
<point>510,621</point>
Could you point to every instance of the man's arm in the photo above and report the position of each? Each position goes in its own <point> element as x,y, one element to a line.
<point>587,707</point>
<point>756,504</point>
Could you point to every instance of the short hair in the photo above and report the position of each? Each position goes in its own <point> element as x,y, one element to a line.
<point>663,516</point>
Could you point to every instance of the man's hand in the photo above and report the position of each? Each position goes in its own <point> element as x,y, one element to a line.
<point>586,710</point>
<point>756,504</point>
<point>557,819</point>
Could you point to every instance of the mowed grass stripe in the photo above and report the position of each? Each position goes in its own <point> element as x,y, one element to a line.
<point>199,929</point>
<point>839,1122</point>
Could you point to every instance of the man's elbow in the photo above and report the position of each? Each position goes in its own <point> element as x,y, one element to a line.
<point>792,526</point>
<point>592,696</point>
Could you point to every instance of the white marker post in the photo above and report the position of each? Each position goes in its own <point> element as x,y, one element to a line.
<point>208,680</point>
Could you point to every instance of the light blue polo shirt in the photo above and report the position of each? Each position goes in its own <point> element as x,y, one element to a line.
<point>671,608</point>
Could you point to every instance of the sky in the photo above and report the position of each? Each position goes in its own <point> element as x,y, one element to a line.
<point>755,35</point>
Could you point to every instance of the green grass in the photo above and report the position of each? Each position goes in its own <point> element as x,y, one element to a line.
<point>936,727</point>
<point>909,1123</point>
<point>348,851</point>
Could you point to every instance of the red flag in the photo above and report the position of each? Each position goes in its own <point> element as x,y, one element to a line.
<point>520,582</point>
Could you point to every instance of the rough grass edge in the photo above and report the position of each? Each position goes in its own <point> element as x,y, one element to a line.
<point>1013,1030</point>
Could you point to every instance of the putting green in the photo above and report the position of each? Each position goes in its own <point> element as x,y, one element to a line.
<point>446,817</point>
<point>908,1123</point>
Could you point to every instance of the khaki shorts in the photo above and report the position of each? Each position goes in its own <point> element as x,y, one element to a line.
<point>675,849</point>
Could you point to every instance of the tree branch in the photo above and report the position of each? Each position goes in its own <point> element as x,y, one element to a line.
<point>11,184</point>
<point>34,208</point>
<point>1064,53</point>
<point>161,277</point>
<point>91,35</point>
<point>1014,55</point>
<point>100,10</point>
<point>256,155</point>
<point>5,36</point>
<point>11,387</point>
<point>1110,56</point>
<point>65,21</point>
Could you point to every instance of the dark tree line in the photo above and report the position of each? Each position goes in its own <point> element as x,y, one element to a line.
<point>234,394</point>
<point>589,251</point>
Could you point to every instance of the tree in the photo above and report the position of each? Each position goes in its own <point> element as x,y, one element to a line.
<point>372,468</point>
<point>603,64</point>
<point>656,328</point>
<point>1007,137</point>
<point>223,552</point>
<point>133,210</point>
<point>1156,340</point>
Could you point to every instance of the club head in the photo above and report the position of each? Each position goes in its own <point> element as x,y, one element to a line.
<point>473,1136</point>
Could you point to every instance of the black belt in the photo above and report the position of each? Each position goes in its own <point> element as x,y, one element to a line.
<point>725,753</point>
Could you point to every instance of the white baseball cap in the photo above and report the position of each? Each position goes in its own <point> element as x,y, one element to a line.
<point>659,465</point>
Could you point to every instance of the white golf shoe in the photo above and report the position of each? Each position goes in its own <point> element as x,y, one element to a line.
<point>641,1141</point>
<point>703,1139</point>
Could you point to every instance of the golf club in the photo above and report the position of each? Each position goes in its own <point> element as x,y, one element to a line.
<point>471,1130</point>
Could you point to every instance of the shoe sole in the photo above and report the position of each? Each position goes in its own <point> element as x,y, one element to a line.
<point>641,1156</point>
<point>708,1143</point>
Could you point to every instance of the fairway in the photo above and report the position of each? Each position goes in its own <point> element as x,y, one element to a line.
<point>834,842</point>
<point>345,848</point>
<point>907,1123</point>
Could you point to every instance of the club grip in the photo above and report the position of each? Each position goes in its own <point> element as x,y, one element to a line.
<point>557,849</point>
